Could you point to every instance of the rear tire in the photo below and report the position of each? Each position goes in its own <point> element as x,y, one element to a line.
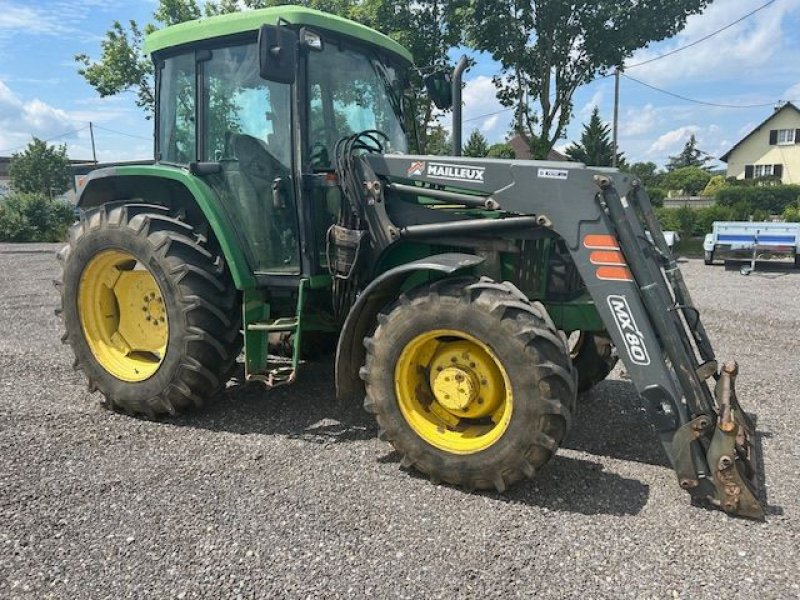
<point>472,320</point>
<point>708,257</point>
<point>594,358</point>
<point>199,301</point>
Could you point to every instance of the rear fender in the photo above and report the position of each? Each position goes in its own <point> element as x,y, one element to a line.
<point>350,352</point>
<point>161,184</point>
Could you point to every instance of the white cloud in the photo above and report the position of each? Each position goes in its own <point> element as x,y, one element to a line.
<point>793,94</point>
<point>60,18</point>
<point>481,110</point>
<point>21,119</point>
<point>638,121</point>
<point>672,140</point>
<point>743,48</point>
<point>711,139</point>
<point>596,100</point>
<point>28,20</point>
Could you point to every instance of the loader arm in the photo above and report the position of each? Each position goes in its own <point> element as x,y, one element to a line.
<point>603,216</point>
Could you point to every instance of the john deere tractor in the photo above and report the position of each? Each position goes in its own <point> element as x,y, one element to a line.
<point>468,300</point>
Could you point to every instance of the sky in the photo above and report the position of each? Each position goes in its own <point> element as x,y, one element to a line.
<point>753,63</point>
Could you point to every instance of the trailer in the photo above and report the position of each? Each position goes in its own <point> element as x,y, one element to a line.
<point>752,239</point>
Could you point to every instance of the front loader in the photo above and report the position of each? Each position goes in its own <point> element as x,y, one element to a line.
<point>468,300</point>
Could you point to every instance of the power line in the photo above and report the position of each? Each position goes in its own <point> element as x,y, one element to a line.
<point>674,95</point>
<point>491,114</point>
<point>56,137</point>
<point>552,97</point>
<point>702,39</point>
<point>130,135</point>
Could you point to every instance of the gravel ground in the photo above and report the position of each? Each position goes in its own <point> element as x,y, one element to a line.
<point>287,494</point>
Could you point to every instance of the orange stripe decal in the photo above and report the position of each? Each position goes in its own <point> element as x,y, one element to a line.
<point>600,242</point>
<point>614,274</point>
<point>607,257</point>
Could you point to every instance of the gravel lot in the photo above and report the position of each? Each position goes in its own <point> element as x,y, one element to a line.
<point>288,494</point>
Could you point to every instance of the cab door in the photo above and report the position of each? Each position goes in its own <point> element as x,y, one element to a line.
<point>246,127</point>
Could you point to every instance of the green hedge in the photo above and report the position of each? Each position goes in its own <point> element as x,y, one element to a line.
<point>771,199</point>
<point>34,218</point>
<point>697,221</point>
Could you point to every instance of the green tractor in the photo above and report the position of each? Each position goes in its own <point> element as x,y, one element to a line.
<point>468,301</point>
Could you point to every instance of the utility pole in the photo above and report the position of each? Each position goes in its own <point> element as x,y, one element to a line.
<point>94,150</point>
<point>616,115</point>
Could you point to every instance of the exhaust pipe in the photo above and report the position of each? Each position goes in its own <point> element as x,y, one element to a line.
<point>457,75</point>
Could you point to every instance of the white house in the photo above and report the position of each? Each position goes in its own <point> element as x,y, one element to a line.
<point>772,148</point>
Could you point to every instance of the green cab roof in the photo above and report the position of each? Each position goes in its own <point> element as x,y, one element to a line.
<point>252,20</point>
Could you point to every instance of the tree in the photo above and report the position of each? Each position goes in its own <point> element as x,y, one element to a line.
<point>548,48</point>
<point>647,173</point>
<point>595,147</point>
<point>439,143</point>
<point>690,180</point>
<point>690,156</point>
<point>40,169</point>
<point>476,145</point>
<point>427,28</point>
<point>501,150</point>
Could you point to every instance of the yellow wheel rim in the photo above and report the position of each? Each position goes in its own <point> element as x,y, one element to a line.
<point>453,391</point>
<point>123,316</point>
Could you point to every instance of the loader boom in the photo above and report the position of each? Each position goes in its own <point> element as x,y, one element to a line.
<point>637,287</point>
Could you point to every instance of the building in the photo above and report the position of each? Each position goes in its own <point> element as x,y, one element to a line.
<point>772,148</point>
<point>523,151</point>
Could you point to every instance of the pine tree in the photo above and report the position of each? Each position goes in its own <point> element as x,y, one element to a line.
<point>476,145</point>
<point>595,147</point>
<point>438,141</point>
<point>690,156</point>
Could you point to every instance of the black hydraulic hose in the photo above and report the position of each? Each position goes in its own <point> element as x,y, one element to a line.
<point>673,272</point>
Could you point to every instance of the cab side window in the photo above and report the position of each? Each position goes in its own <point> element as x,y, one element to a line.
<point>177,142</point>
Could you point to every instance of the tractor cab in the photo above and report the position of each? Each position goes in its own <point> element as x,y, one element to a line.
<point>258,114</point>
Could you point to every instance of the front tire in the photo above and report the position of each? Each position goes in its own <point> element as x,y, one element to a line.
<point>593,357</point>
<point>150,311</point>
<point>470,382</point>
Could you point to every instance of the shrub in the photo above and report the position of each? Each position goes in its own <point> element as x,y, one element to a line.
<point>716,183</point>
<point>34,218</point>
<point>657,195</point>
<point>689,179</point>
<point>707,215</point>
<point>501,151</point>
<point>668,219</point>
<point>792,213</point>
<point>771,199</point>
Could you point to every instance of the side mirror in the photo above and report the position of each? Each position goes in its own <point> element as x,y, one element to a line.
<point>440,89</point>
<point>277,53</point>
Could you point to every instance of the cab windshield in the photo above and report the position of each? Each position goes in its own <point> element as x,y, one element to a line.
<point>349,92</point>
